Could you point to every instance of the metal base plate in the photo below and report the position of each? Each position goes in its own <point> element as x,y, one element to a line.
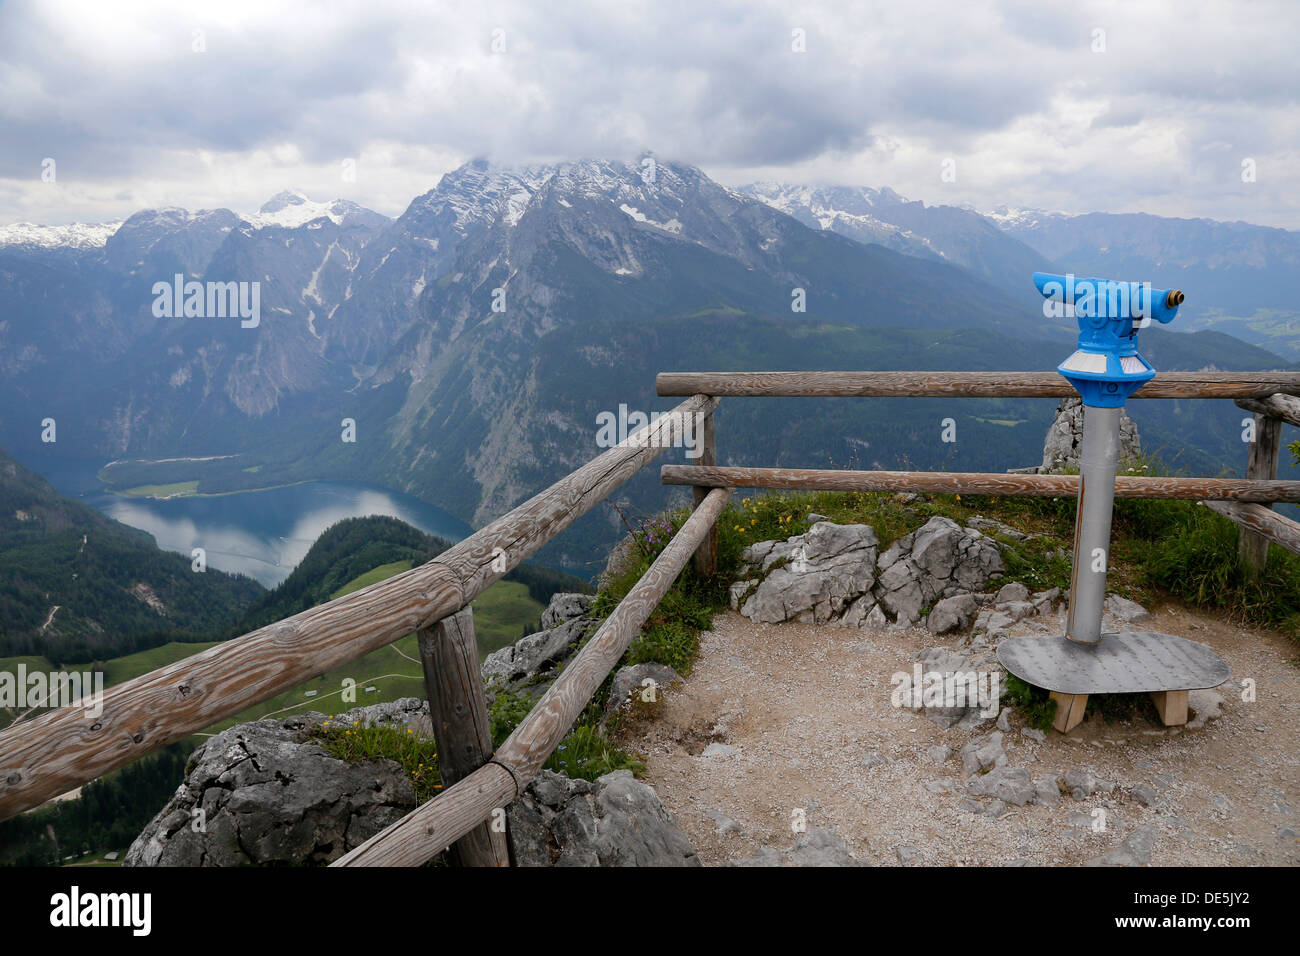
<point>1124,662</point>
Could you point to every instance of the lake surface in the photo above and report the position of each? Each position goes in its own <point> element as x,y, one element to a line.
<point>263,534</point>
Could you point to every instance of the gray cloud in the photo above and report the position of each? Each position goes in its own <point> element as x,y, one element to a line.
<point>1013,91</point>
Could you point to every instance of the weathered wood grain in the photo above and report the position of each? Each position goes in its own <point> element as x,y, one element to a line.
<point>1261,520</point>
<point>458,712</point>
<point>533,740</point>
<point>974,483</point>
<point>964,384</point>
<point>706,558</point>
<point>60,750</point>
<point>425,831</point>
<point>1261,464</point>
<point>63,749</point>
<point>1285,407</point>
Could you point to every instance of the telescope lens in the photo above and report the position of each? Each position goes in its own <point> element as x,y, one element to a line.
<point>1174,298</point>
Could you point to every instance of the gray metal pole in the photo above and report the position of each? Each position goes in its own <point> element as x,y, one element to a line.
<point>1097,466</point>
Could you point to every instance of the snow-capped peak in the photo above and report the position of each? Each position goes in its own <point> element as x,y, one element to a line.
<point>291,209</point>
<point>77,235</point>
<point>1009,217</point>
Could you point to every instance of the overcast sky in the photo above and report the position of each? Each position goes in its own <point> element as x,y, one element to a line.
<point>1098,106</point>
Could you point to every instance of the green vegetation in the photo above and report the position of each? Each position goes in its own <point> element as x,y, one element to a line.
<point>417,755</point>
<point>115,591</point>
<point>587,752</point>
<point>172,490</point>
<point>108,815</point>
<point>503,614</point>
<point>1034,704</point>
<point>357,552</point>
<point>374,576</point>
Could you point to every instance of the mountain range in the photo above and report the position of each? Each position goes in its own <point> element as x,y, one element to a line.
<point>473,340</point>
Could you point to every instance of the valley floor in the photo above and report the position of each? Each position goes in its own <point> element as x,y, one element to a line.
<point>799,709</point>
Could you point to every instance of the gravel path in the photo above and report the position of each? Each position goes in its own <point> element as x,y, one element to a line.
<point>804,718</point>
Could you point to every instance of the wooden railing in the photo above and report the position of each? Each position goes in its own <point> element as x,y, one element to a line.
<point>57,751</point>
<point>1270,396</point>
<point>60,750</point>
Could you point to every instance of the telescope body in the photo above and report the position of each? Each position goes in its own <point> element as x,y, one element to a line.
<point>1106,367</point>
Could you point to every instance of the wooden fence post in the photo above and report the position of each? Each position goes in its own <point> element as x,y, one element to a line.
<point>1261,462</point>
<point>458,711</point>
<point>706,558</point>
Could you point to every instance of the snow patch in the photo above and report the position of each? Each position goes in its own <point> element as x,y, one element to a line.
<point>77,235</point>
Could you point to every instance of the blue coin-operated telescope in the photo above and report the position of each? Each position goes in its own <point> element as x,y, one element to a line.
<point>1106,369</point>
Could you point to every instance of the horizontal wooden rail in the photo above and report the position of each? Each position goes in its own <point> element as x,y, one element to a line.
<point>1264,521</point>
<point>426,831</point>
<point>974,483</point>
<point>964,384</point>
<point>57,751</point>
<point>1285,407</point>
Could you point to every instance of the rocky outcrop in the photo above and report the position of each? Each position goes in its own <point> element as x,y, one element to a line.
<point>812,577</point>
<point>265,794</point>
<point>1064,442</point>
<point>817,847</point>
<point>268,794</point>
<point>615,821</point>
<point>643,681</point>
<point>565,623</point>
<point>1135,850</point>
<point>940,559</point>
<point>835,573</point>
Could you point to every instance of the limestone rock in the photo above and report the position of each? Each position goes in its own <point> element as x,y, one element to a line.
<point>1064,442</point>
<point>564,624</point>
<point>565,607</point>
<point>631,681</point>
<point>1130,612</point>
<point>616,821</point>
<point>1135,850</point>
<point>1008,784</point>
<point>825,570</point>
<point>920,567</point>
<point>952,614</point>
<point>1015,591</point>
<point>817,847</point>
<point>272,796</point>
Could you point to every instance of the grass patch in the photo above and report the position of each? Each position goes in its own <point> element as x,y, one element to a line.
<point>587,752</point>
<point>1034,704</point>
<point>373,576</point>
<point>172,490</point>
<point>417,755</point>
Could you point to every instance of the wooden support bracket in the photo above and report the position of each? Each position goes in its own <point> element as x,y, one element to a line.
<point>458,710</point>
<point>1069,710</point>
<point>1172,705</point>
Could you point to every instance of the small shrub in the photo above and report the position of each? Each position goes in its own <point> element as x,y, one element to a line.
<point>417,755</point>
<point>1034,703</point>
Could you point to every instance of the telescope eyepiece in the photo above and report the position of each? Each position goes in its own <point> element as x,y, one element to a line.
<point>1174,299</point>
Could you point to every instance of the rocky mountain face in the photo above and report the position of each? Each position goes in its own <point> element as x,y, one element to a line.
<point>956,235</point>
<point>473,340</point>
